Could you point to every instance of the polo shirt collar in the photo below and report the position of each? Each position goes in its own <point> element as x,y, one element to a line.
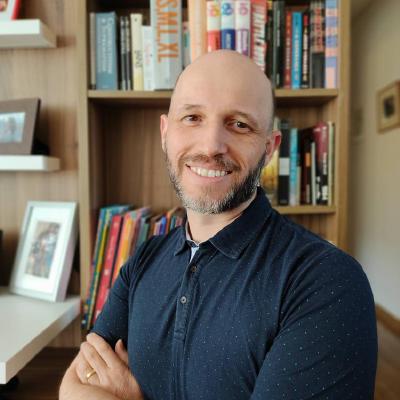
<point>235,237</point>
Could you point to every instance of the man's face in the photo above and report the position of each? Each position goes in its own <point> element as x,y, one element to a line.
<point>215,140</point>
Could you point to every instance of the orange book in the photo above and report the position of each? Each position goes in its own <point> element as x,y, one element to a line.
<point>197,28</point>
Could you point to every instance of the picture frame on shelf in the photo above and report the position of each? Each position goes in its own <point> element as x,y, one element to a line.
<point>388,100</point>
<point>9,9</point>
<point>17,125</point>
<point>45,251</point>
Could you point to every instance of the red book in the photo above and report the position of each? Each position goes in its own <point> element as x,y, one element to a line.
<point>321,137</point>
<point>106,275</point>
<point>287,83</point>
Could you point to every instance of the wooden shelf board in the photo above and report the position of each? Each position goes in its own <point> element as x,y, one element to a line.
<point>29,325</point>
<point>29,163</point>
<point>306,209</point>
<point>26,33</point>
<point>306,97</point>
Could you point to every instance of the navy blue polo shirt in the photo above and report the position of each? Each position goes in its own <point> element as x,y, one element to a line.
<point>264,310</point>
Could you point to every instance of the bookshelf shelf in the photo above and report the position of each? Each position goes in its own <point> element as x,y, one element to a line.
<point>31,325</point>
<point>307,97</point>
<point>29,163</point>
<point>288,210</point>
<point>26,33</point>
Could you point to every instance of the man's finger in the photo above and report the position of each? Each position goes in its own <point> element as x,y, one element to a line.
<point>82,367</point>
<point>121,351</point>
<point>94,359</point>
<point>103,349</point>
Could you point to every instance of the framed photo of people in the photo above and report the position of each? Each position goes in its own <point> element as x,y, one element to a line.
<point>17,125</point>
<point>45,252</point>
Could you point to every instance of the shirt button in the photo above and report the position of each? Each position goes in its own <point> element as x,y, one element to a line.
<point>183,300</point>
<point>193,269</point>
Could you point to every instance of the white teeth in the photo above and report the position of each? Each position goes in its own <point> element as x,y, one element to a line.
<point>208,172</point>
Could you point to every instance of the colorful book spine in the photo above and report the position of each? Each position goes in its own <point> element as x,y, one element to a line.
<point>297,23</point>
<point>305,139</point>
<point>148,61</point>
<point>107,270</point>
<point>197,11</point>
<point>137,50</point>
<point>213,25</point>
<point>305,65</point>
<point>317,44</point>
<point>321,137</point>
<point>166,20</point>
<point>287,75</point>
<point>331,162</point>
<point>331,43</point>
<point>228,25</point>
<point>278,45</point>
<point>293,165</point>
<point>242,26</point>
<point>269,40</point>
<point>106,51</point>
<point>258,45</point>
<point>185,43</point>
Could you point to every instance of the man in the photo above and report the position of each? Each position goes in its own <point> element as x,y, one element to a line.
<point>240,303</point>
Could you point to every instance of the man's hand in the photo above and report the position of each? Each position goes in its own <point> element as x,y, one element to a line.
<point>112,370</point>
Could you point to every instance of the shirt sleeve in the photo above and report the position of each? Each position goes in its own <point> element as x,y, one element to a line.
<point>112,322</point>
<point>326,347</point>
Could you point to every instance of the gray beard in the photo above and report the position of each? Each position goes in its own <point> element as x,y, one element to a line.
<point>237,195</point>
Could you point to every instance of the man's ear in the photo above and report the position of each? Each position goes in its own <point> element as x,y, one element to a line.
<point>273,142</point>
<point>163,129</point>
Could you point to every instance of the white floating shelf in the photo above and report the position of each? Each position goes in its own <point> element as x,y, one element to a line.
<point>29,163</point>
<point>27,326</point>
<point>25,33</point>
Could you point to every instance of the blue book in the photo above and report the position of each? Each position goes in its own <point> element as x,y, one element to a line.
<point>294,199</point>
<point>331,43</point>
<point>297,30</point>
<point>106,51</point>
<point>227,25</point>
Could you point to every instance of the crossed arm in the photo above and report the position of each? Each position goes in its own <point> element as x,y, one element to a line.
<point>112,379</point>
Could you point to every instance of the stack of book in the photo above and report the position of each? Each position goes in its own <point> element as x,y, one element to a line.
<point>120,231</point>
<point>302,170</point>
<point>295,45</point>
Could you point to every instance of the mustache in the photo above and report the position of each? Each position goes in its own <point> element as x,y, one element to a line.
<point>217,161</point>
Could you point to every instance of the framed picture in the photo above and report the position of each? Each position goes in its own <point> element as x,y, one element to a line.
<point>45,250</point>
<point>17,125</point>
<point>9,9</point>
<point>389,107</point>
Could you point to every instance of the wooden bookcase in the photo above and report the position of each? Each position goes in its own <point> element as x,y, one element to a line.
<point>120,157</point>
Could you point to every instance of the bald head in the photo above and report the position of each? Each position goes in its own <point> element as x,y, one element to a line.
<point>223,75</point>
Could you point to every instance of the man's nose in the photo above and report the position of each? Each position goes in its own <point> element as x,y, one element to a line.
<point>214,139</point>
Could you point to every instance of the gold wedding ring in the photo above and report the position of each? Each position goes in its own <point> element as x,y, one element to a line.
<point>90,373</point>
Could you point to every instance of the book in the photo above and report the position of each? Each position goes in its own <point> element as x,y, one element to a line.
<point>297,22</point>
<point>106,273</point>
<point>331,161</point>
<point>185,43</point>
<point>287,74</point>
<point>213,25</point>
<point>148,61</point>
<point>331,43</point>
<point>305,61</point>
<point>197,27</point>
<point>137,51</point>
<point>294,198</point>
<point>317,44</point>
<point>128,57</point>
<point>305,140</point>
<point>269,178</point>
<point>106,51</point>
<point>227,24</point>
<point>92,39</point>
<point>122,54</point>
<point>242,14</point>
<point>166,20</point>
<point>258,44</point>
<point>321,137</point>
<point>284,164</point>
<point>314,176</point>
<point>269,40</point>
<point>277,45</point>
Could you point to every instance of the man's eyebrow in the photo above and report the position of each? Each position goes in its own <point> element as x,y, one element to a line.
<point>188,107</point>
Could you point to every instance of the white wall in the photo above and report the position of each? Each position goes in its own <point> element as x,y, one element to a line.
<point>374,217</point>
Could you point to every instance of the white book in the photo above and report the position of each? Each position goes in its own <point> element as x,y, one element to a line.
<point>242,26</point>
<point>166,20</point>
<point>148,62</point>
<point>137,51</point>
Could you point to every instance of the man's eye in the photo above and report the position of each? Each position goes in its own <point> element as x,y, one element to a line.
<point>191,118</point>
<point>241,126</point>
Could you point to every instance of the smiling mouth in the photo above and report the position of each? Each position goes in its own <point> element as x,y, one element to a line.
<point>210,173</point>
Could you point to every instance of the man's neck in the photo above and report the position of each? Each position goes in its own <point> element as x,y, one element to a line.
<point>204,226</point>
